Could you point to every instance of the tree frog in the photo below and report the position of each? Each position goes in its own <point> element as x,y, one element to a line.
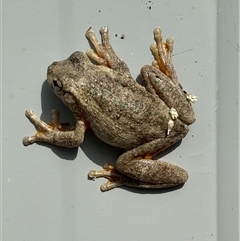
<point>98,88</point>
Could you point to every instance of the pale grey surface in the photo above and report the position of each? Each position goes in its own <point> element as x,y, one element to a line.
<point>46,193</point>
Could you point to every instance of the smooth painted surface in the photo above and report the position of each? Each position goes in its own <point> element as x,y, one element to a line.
<point>46,193</point>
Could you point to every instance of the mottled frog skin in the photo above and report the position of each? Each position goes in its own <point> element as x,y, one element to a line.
<point>100,91</point>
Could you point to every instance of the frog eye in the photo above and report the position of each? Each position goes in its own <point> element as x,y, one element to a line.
<point>57,85</point>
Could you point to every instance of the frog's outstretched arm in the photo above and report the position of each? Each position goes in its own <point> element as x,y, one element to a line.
<point>56,133</point>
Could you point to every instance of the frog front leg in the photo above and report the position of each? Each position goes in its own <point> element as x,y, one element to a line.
<point>56,133</point>
<point>136,168</point>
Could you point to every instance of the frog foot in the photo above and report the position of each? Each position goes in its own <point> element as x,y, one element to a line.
<point>42,126</point>
<point>97,56</point>
<point>115,179</point>
<point>162,52</point>
<point>55,133</point>
<point>174,115</point>
<point>192,98</point>
<point>103,52</point>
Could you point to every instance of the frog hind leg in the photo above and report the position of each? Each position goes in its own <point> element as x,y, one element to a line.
<point>160,79</point>
<point>103,52</point>
<point>162,52</point>
<point>56,133</point>
<point>136,168</point>
<point>117,179</point>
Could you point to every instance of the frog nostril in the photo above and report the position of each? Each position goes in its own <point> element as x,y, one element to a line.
<point>49,70</point>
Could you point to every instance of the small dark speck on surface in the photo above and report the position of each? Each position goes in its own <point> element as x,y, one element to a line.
<point>122,36</point>
<point>148,4</point>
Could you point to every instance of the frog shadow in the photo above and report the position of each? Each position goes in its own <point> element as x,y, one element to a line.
<point>95,149</point>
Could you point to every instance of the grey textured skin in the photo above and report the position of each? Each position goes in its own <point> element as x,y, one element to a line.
<point>99,90</point>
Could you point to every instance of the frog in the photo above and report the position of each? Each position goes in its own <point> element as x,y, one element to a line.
<point>142,119</point>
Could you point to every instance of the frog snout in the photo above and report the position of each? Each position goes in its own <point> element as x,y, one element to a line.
<point>51,73</point>
<point>49,70</point>
<point>52,69</point>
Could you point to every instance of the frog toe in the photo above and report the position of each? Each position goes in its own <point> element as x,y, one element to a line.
<point>29,140</point>
<point>173,113</point>
<point>192,98</point>
<point>109,185</point>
